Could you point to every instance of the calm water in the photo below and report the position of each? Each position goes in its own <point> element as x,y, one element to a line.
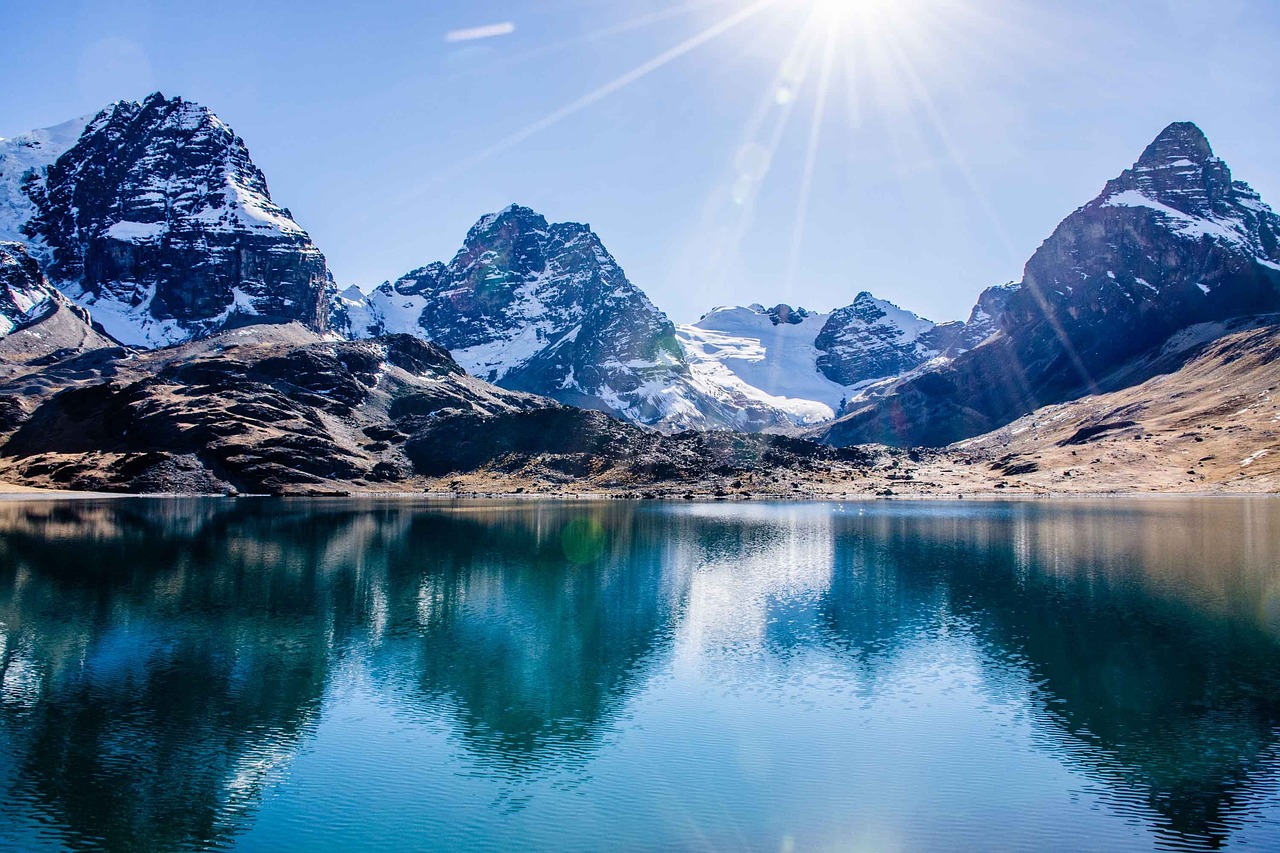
<point>358,675</point>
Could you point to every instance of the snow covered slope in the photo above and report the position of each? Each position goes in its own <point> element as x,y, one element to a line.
<point>24,161</point>
<point>780,365</point>
<point>761,366</point>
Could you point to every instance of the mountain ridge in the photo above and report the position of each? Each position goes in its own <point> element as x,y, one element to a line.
<point>1171,242</point>
<point>155,219</point>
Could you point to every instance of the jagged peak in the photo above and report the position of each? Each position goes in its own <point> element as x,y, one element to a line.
<point>784,313</point>
<point>1177,170</point>
<point>512,213</point>
<point>156,108</point>
<point>869,306</point>
<point>1181,140</point>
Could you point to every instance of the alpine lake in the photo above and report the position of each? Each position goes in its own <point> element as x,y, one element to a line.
<point>411,674</point>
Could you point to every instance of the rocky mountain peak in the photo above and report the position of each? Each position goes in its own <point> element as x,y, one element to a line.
<point>543,307</point>
<point>1180,140</point>
<point>158,221</point>
<point>1179,170</point>
<point>783,313</point>
<point>1170,243</point>
<point>873,339</point>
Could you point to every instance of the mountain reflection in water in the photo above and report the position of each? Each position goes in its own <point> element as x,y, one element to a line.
<point>286,674</point>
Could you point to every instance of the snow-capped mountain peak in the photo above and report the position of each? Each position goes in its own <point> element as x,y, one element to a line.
<point>156,219</point>
<point>1191,192</point>
<point>543,307</point>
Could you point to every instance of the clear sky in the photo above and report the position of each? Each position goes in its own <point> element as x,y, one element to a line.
<point>727,151</point>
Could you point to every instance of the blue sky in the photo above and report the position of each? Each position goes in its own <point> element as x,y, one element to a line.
<point>727,151</point>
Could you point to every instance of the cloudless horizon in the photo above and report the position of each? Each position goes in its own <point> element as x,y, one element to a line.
<point>726,151</point>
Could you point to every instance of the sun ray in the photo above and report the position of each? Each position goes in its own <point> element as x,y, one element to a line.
<point>630,25</point>
<point>810,160</point>
<point>778,100</point>
<point>939,125</point>
<point>596,95</point>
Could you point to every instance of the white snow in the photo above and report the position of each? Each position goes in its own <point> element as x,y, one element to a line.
<point>1183,223</point>
<point>362,320</point>
<point>30,152</point>
<point>132,324</point>
<point>398,312</point>
<point>136,232</point>
<point>1253,457</point>
<point>737,354</point>
<point>499,357</point>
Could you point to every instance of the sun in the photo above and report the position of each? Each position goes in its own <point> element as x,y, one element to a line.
<point>865,14</point>
<point>863,66</point>
<point>836,12</point>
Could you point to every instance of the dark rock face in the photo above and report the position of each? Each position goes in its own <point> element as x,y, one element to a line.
<point>543,308</point>
<point>783,313</point>
<point>1171,242</point>
<point>158,221</point>
<point>874,339</point>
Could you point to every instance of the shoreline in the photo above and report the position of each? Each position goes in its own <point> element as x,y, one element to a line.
<point>10,493</point>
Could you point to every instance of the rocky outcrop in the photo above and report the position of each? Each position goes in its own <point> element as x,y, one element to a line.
<point>984,318</point>
<point>37,323</point>
<point>24,295</point>
<point>157,220</point>
<point>1172,242</point>
<point>263,409</point>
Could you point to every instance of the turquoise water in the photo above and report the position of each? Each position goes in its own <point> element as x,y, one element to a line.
<point>405,675</point>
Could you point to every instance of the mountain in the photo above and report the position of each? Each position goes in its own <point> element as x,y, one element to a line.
<point>157,220</point>
<point>780,367</point>
<point>544,308</point>
<point>1172,242</point>
<point>1207,420</point>
<point>24,295</point>
<point>984,318</point>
